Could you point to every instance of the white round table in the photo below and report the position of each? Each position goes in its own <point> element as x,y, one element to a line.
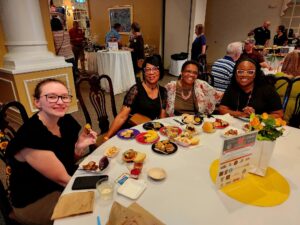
<point>118,66</point>
<point>188,195</point>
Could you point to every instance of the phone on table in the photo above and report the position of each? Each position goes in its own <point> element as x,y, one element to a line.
<point>87,182</point>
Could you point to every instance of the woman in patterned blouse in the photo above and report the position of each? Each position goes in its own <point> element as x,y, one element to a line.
<point>190,95</point>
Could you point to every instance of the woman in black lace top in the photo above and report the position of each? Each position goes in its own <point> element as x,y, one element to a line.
<point>146,98</point>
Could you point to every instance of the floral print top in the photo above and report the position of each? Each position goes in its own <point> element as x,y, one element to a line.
<point>206,96</point>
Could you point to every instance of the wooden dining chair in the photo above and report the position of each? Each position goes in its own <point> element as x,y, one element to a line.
<point>8,130</point>
<point>97,100</point>
<point>8,115</point>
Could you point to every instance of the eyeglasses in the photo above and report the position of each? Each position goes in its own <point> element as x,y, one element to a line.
<point>245,72</point>
<point>53,98</point>
<point>151,69</point>
<point>191,72</point>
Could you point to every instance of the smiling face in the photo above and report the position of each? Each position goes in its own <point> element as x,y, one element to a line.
<point>52,109</point>
<point>245,74</point>
<point>151,73</point>
<point>189,74</point>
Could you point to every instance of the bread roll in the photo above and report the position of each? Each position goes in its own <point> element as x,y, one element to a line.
<point>208,127</point>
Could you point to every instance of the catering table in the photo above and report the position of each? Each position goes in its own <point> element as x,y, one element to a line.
<point>187,195</point>
<point>118,66</point>
<point>91,58</point>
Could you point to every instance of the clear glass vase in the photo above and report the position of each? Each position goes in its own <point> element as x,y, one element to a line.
<point>260,159</point>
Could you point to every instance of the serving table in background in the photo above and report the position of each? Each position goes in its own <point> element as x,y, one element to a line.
<point>118,66</point>
<point>91,58</point>
<point>188,195</point>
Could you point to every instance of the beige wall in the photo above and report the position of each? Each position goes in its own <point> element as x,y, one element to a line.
<point>148,13</point>
<point>231,20</point>
<point>176,28</point>
<point>21,87</point>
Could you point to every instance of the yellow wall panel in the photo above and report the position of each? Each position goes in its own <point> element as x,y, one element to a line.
<point>24,85</point>
<point>148,13</point>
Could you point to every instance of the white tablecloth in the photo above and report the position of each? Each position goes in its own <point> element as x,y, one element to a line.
<point>188,196</point>
<point>91,58</point>
<point>117,65</point>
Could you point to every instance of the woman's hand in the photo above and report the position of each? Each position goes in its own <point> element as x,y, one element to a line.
<point>84,140</point>
<point>248,110</point>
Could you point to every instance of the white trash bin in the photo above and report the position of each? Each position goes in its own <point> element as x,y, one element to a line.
<point>175,66</point>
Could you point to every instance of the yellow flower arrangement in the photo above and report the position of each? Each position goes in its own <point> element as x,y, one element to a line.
<point>268,127</point>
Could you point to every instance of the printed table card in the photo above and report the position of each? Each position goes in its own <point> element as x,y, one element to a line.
<point>235,158</point>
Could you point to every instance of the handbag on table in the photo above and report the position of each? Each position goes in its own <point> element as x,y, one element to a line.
<point>137,119</point>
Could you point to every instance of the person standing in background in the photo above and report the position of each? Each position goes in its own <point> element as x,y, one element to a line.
<point>62,43</point>
<point>113,35</point>
<point>137,47</point>
<point>280,38</point>
<point>262,35</point>
<point>77,39</point>
<point>222,69</point>
<point>199,44</point>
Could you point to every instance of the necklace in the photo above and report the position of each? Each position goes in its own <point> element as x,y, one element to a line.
<point>186,97</point>
<point>248,101</point>
<point>189,92</point>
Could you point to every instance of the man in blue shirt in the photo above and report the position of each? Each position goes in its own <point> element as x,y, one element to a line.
<point>113,35</point>
<point>222,69</point>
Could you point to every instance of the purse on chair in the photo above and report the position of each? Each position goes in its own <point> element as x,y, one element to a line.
<point>137,119</point>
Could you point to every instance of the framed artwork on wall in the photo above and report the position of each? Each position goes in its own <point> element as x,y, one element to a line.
<point>121,15</point>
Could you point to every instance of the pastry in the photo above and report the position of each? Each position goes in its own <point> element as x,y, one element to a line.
<point>140,157</point>
<point>87,128</point>
<point>90,166</point>
<point>129,155</point>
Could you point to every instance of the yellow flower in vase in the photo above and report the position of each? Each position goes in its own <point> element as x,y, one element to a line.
<point>264,116</point>
<point>269,128</point>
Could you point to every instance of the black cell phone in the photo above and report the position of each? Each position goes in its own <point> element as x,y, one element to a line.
<point>87,182</point>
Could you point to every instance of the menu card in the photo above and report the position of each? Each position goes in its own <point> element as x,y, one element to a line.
<point>113,46</point>
<point>235,158</point>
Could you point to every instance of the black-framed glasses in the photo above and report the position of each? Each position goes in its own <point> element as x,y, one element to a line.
<point>53,98</point>
<point>151,69</point>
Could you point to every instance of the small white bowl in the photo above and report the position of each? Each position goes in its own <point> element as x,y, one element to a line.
<point>157,173</point>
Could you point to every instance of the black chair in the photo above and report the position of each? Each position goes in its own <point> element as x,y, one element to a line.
<point>97,99</point>
<point>293,90</point>
<point>208,77</point>
<point>295,118</point>
<point>203,63</point>
<point>282,84</point>
<point>9,132</point>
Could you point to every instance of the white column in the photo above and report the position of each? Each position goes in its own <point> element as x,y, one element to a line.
<point>25,38</point>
